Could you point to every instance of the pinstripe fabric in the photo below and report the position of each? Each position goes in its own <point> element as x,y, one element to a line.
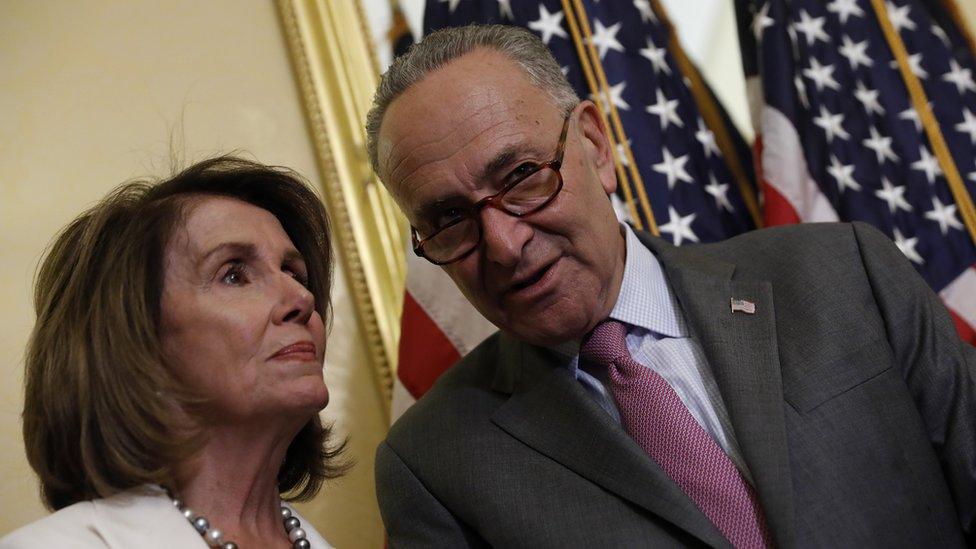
<point>658,338</point>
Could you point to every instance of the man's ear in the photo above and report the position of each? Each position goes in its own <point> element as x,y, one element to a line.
<point>596,145</point>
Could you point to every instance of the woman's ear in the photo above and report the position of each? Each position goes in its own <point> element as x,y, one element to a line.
<point>596,145</point>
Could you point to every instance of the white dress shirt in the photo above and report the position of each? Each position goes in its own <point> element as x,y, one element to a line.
<point>658,338</point>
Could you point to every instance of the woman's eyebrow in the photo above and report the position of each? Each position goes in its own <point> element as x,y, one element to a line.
<point>242,249</point>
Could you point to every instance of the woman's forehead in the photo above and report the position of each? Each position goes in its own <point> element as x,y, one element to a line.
<point>209,221</point>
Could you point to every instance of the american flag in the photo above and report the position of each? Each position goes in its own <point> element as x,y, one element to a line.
<point>841,139</point>
<point>688,180</point>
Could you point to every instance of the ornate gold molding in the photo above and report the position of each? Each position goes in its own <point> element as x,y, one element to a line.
<point>336,69</point>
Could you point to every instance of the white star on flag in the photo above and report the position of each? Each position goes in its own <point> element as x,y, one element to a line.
<point>451,4</point>
<point>548,24</point>
<point>832,124</point>
<point>868,98</point>
<point>944,215</point>
<point>812,28</point>
<point>911,114</point>
<point>928,164</point>
<point>622,154</point>
<point>719,191</point>
<point>761,22</point>
<point>907,247</point>
<point>646,13</point>
<point>801,91</point>
<point>673,168</point>
<point>845,9</point>
<point>968,125</point>
<point>505,9</point>
<point>962,78</point>
<point>914,65</point>
<point>666,110</point>
<point>821,75</point>
<point>899,17</point>
<point>616,97</point>
<point>605,38</point>
<point>856,53</point>
<point>894,195</point>
<point>679,227</point>
<point>940,34</point>
<point>880,145</point>
<point>844,175</point>
<point>656,57</point>
<point>707,139</point>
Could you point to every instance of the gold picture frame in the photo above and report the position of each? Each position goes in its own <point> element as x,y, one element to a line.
<point>337,72</point>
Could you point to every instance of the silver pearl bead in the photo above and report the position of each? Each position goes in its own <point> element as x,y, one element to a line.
<point>229,545</point>
<point>296,534</point>
<point>214,537</point>
<point>302,544</point>
<point>291,523</point>
<point>189,514</point>
<point>178,503</point>
<point>201,524</point>
<point>285,513</point>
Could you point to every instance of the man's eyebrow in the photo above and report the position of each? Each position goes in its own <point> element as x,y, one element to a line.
<point>504,158</point>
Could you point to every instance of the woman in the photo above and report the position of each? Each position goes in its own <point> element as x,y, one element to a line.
<point>174,376</point>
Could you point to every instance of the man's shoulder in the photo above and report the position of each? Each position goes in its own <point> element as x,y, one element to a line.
<point>803,236</point>
<point>460,398</point>
<point>795,249</point>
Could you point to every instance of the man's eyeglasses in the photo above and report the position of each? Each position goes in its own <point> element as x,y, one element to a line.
<point>525,195</point>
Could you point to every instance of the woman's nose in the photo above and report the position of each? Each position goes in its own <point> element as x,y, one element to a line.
<point>296,304</point>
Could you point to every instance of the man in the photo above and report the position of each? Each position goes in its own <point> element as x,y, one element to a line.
<point>792,387</point>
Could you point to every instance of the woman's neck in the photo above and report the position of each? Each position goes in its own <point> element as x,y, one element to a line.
<point>233,482</point>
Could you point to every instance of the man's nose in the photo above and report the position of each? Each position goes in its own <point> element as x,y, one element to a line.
<point>504,236</point>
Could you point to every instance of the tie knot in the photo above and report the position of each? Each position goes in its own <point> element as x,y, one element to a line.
<point>606,343</point>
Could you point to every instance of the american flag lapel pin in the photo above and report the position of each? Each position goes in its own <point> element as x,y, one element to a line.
<point>743,306</point>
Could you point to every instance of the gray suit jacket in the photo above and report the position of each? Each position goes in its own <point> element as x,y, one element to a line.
<point>850,393</point>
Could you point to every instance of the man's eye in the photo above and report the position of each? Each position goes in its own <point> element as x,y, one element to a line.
<point>522,170</point>
<point>448,215</point>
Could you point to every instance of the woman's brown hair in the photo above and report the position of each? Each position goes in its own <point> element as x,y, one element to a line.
<point>102,412</point>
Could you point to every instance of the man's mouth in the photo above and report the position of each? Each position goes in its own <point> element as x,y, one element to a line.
<point>531,279</point>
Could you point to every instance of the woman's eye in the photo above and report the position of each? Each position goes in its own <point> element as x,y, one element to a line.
<point>301,277</point>
<point>236,275</point>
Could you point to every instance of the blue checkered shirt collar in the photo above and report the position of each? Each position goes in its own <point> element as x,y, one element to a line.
<point>645,299</point>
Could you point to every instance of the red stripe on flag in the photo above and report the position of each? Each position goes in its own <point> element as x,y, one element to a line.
<point>776,209</point>
<point>966,332</point>
<point>425,352</point>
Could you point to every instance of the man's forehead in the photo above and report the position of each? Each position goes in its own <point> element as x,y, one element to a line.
<point>480,92</point>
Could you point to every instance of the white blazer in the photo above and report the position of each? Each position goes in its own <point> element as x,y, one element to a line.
<point>142,517</point>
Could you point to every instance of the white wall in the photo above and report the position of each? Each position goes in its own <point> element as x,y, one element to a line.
<point>91,93</point>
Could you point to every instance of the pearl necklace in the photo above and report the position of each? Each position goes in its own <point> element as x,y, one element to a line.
<point>215,538</point>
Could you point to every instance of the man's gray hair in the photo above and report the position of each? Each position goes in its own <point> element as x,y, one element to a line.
<point>442,46</point>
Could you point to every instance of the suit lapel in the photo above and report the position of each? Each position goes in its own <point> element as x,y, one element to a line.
<point>742,353</point>
<point>550,412</point>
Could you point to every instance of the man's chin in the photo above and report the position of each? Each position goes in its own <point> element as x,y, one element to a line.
<point>546,333</point>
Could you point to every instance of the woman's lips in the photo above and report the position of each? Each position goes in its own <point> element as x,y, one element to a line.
<point>303,351</point>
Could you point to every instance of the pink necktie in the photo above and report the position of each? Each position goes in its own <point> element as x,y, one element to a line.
<point>660,423</point>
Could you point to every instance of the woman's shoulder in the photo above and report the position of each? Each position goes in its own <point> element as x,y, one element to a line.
<point>140,517</point>
<point>72,526</point>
